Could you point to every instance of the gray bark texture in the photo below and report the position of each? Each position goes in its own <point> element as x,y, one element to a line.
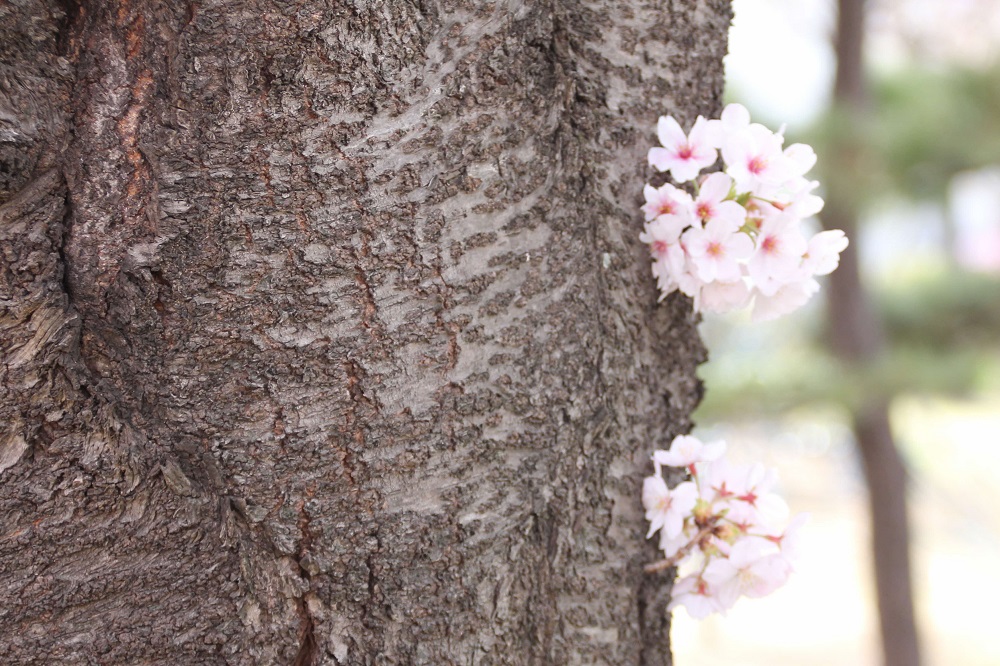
<point>326,334</point>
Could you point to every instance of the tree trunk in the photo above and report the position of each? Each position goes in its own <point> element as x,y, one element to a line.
<point>857,338</point>
<point>327,335</point>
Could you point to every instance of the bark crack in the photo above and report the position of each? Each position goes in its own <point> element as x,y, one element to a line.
<point>308,648</point>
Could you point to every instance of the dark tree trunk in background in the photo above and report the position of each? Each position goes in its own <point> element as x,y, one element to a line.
<point>327,336</point>
<point>857,338</point>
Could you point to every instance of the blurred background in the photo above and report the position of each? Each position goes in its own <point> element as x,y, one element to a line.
<point>879,403</point>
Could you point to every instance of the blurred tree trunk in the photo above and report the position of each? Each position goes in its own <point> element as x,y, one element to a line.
<point>856,336</point>
<point>327,336</point>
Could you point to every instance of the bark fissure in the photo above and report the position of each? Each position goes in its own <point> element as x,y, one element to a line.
<point>332,378</point>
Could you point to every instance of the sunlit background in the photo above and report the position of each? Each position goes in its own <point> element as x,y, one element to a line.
<point>929,242</point>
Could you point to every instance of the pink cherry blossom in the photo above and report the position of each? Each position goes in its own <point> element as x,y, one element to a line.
<point>661,233</point>
<point>788,539</point>
<point>718,480</point>
<point>712,201</point>
<point>672,545</point>
<point>734,534</point>
<point>682,155</point>
<point>666,200</point>
<point>719,249</point>
<point>780,246</point>
<point>801,158</point>
<point>669,259</point>
<point>666,508</point>
<point>723,296</point>
<point>754,568</point>
<point>753,505</point>
<point>686,450</point>
<point>798,199</point>
<point>735,119</point>
<point>788,298</point>
<point>755,160</point>
<point>694,593</point>
<point>739,239</point>
<point>823,252</point>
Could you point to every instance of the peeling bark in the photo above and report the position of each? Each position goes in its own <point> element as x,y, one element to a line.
<point>327,336</point>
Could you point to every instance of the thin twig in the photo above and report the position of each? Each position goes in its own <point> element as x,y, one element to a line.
<point>682,553</point>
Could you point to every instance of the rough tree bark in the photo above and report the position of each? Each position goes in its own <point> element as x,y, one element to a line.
<point>326,335</point>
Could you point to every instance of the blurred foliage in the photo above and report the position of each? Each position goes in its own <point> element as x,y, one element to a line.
<point>952,311</point>
<point>933,124</point>
<point>818,378</point>
<point>943,340</point>
<point>921,128</point>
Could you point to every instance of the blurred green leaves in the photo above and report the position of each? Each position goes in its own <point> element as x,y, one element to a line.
<point>944,338</point>
<point>921,128</point>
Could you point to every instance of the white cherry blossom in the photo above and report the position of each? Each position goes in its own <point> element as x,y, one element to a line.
<point>719,249</point>
<point>735,119</point>
<point>823,252</point>
<point>683,155</point>
<point>694,593</point>
<point>755,160</point>
<point>686,450</point>
<point>776,261</point>
<point>734,536</point>
<point>788,298</point>
<point>665,507</point>
<point>738,240</point>
<point>666,200</point>
<point>754,568</point>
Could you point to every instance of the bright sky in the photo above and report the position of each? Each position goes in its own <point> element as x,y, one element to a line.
<point>780,62</point>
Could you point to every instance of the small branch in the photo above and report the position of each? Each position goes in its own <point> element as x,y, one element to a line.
<point>682,553</point>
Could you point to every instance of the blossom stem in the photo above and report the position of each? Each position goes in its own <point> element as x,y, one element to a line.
<point>683,552</point>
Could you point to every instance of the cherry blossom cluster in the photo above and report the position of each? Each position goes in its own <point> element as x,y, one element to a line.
<point>725,526</point>
<point>735,237</point>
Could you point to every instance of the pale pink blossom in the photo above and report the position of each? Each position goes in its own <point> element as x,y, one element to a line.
<point>755,160</point>
<point>719,481</point>
<point>800,201</point>
<point>687,276</point>
<point>753,505</point>
<point>788,298</point>
<point>665,507</point>
<point>739,239</point>
<point>734,534</point>
<point>735,119</point>
<point>759,210</point>
<point>666,200</point>
<point>669,259</point>
<point>823,252</point>
<point>686,450</point>
<point>672,545</point>
<point>801,158</point>
<point>675,271</point>
<point>723,297</point>
<point>712,204</point>
<point>694,593</point>
<point>661,233</point>
<point>788,539</point>
<point>754,568</point>
<point>719,249</point>
<point>780,246</point>
<point>684,156</point>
